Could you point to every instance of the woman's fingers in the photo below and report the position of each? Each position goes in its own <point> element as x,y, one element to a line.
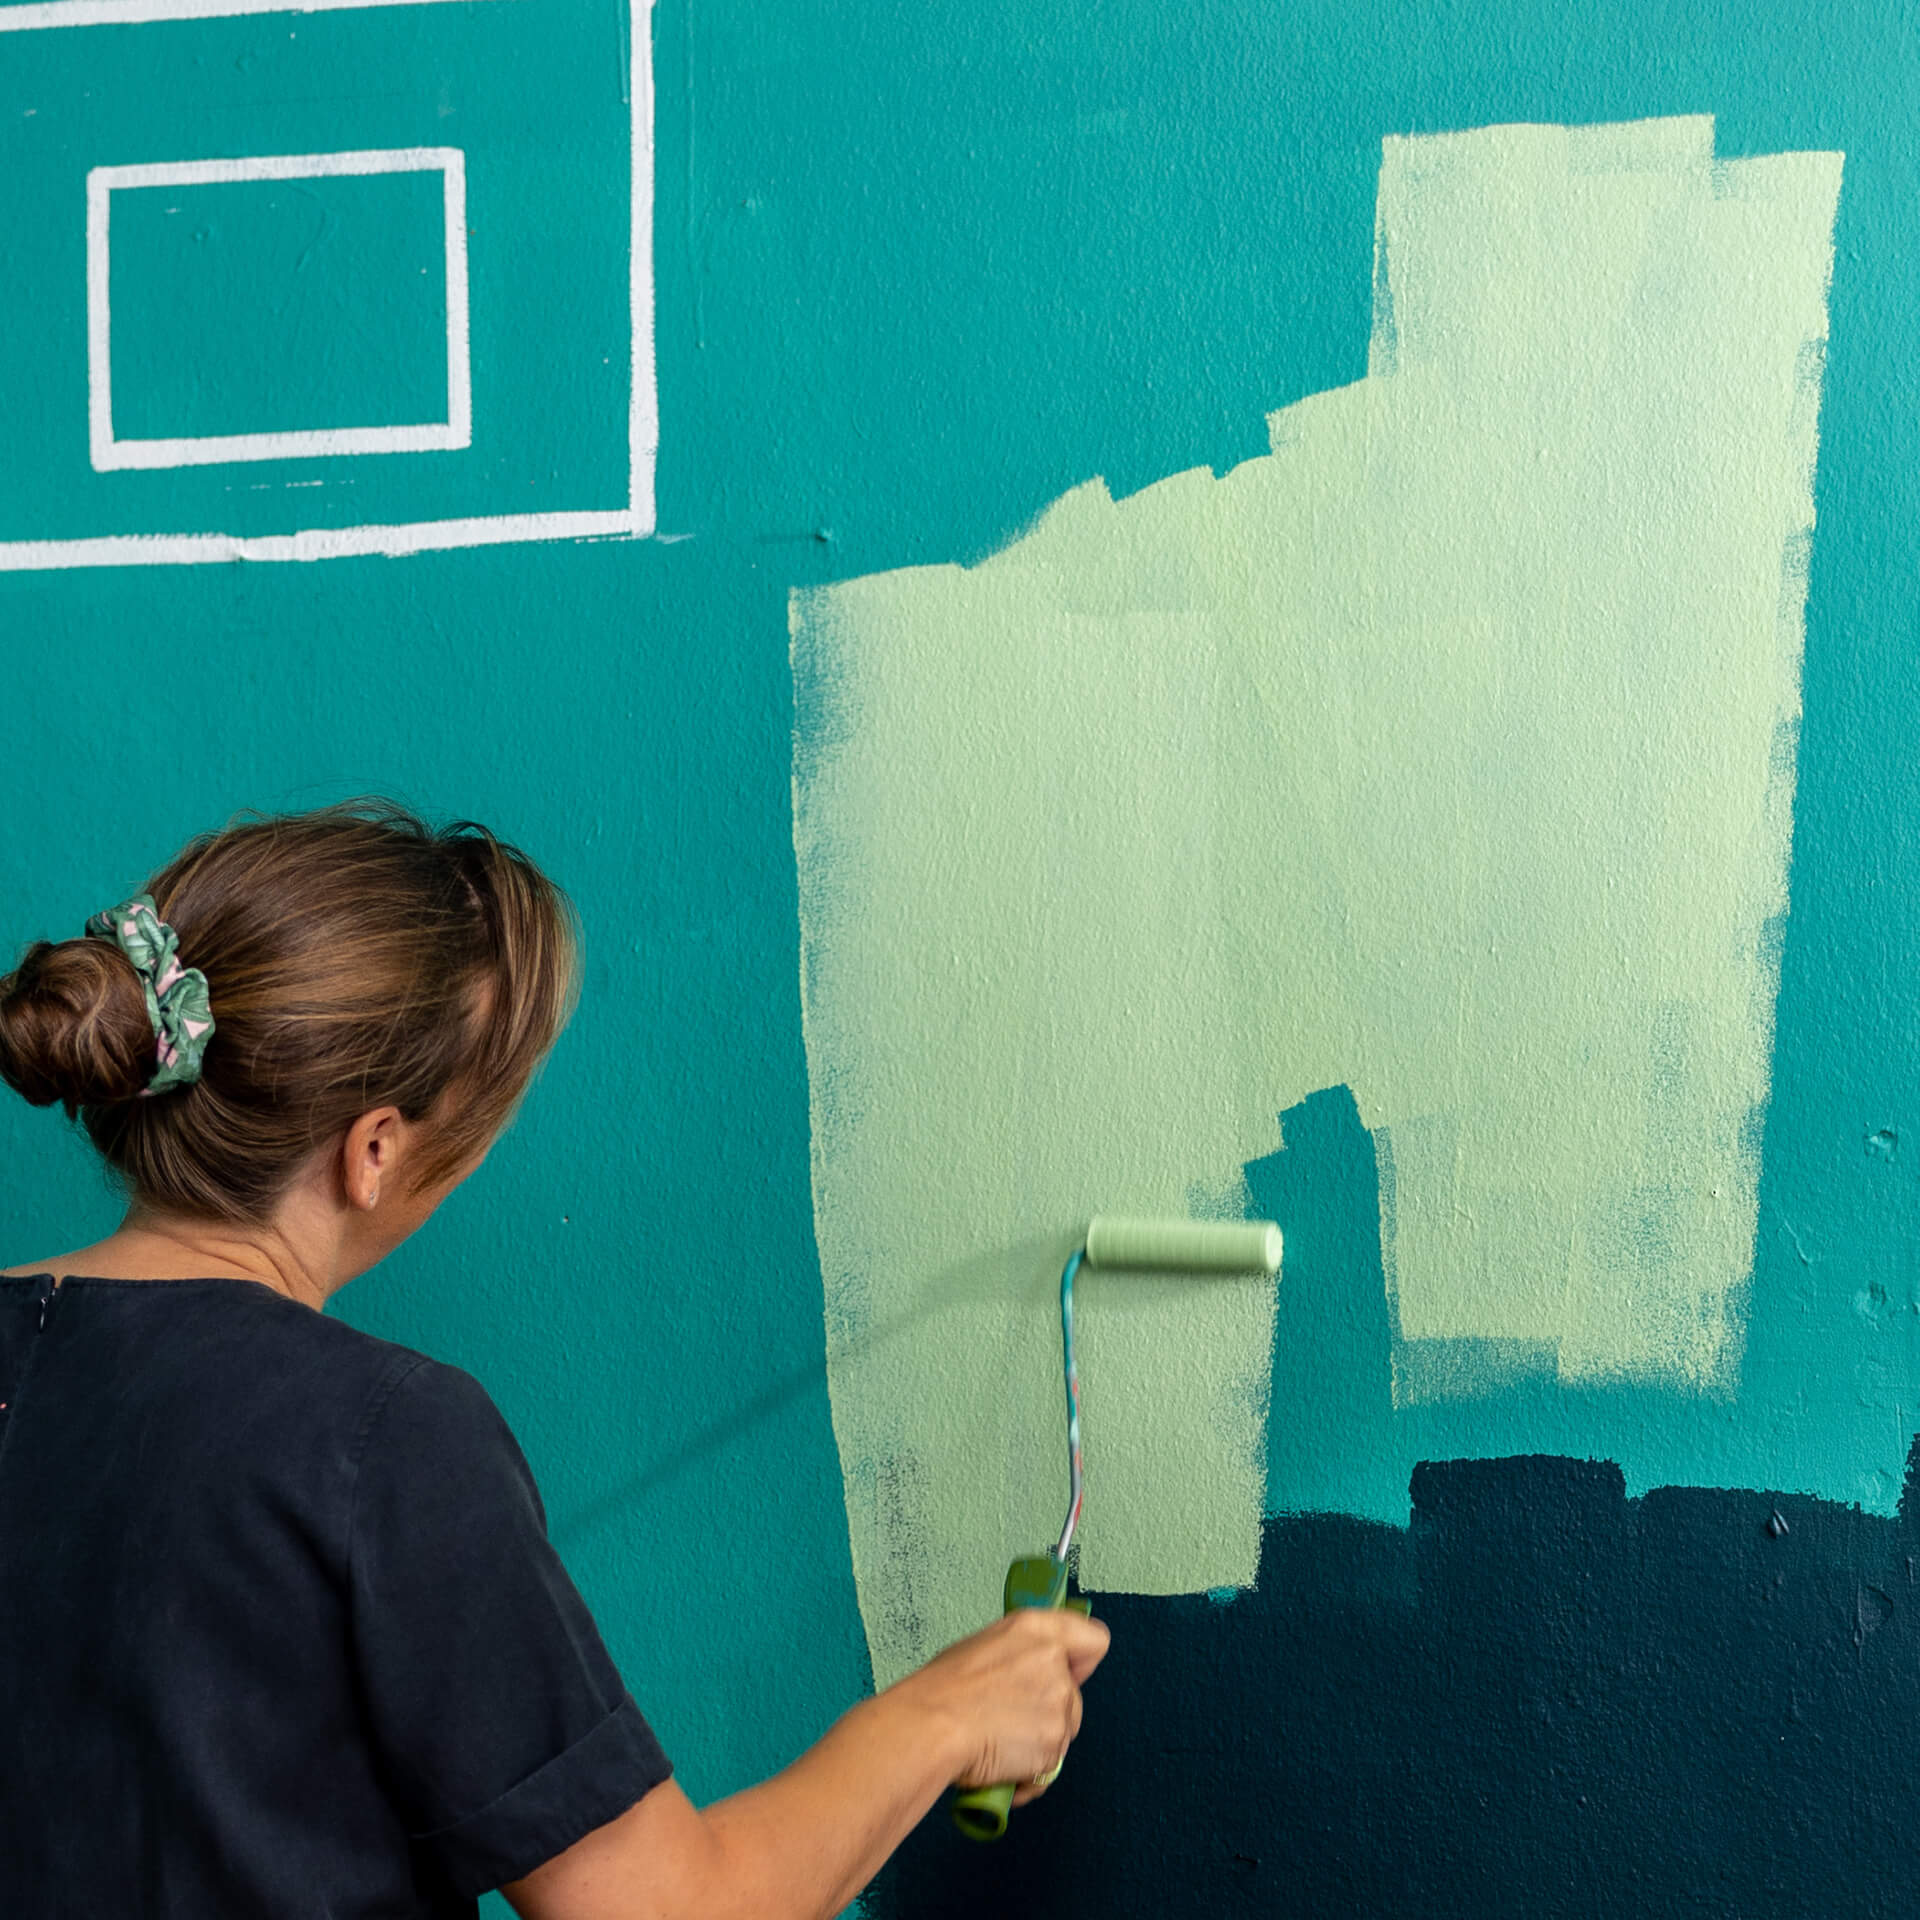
<point>1015,1686</point>
<point>1086,1644</point>
<point>1061,1647</point>
<point>1034,1788</point>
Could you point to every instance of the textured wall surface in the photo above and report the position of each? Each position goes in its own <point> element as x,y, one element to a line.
<point>1445,752</point>
<point>922,272</point>
<point>1543,1700</point>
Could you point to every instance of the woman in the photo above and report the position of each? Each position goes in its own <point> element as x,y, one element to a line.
<point>280,1629</point>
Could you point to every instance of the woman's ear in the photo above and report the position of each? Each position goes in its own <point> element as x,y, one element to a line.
<point>370,1156</point>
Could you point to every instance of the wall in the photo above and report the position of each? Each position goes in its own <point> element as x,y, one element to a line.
<point>922,277</point>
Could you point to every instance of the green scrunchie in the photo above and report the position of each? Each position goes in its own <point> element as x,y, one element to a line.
<point>177,1001</point>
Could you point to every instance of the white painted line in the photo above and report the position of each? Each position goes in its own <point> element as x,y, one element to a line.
<point>124,13</point>
<point>637,521</point>
<point>281,166</point>
<point>110,455</point>
<point>332,543</point>
<point>318,443</point>
<point>99,330</point>
<point>459,346</point>
<point>643,409</point>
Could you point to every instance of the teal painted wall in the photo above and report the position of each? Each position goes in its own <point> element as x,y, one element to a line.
<point>919,271</point>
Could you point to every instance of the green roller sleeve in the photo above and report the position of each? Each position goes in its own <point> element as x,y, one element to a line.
<point>1184,1246</point>
<point>1036,1580</point>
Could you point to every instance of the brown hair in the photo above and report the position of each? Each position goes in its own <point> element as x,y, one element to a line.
<point>355,958</point>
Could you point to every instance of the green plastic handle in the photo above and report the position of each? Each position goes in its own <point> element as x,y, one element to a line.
<point>981,1812</point>
<point>1035,1580</point>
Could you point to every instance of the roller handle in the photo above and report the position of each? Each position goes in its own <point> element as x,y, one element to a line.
<point>1036,1580</point>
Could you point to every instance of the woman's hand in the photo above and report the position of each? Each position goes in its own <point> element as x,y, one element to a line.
<point>1010,1695</point>
<point>1002,1705</point>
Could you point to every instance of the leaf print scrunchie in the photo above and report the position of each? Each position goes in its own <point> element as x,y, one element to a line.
<point>177,1000</point>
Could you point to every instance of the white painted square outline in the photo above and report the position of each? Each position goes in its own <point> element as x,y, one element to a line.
<point>110,454</point>
<point>634,521</point>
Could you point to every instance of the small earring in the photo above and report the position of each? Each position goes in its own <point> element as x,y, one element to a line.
<point>373,1199</point>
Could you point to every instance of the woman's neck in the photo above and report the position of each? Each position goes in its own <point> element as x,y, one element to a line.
<point>155,1247</point>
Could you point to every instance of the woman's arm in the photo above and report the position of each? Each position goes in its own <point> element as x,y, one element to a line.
<point>1002,1705</point>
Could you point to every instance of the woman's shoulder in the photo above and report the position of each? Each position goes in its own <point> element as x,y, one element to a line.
<point>398,1394</point>
<point>320,1345</point>
<point>240,1341</point>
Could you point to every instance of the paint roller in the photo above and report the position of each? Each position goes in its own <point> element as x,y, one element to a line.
<point>1142,1246</point>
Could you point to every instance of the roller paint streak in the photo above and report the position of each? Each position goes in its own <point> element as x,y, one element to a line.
<point>1444,753</point>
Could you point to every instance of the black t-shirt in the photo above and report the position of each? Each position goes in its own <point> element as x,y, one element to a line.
<point>281,1633</point>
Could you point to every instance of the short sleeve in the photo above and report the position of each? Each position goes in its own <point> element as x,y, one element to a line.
<point>502,1724</point>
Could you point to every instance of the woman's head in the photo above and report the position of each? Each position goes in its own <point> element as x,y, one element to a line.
<point>355,959</point>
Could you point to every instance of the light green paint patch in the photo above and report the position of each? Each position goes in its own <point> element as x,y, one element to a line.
<point>1447,752</point>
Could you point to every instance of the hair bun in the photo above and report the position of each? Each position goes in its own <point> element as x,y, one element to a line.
<point>74,1026</point>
